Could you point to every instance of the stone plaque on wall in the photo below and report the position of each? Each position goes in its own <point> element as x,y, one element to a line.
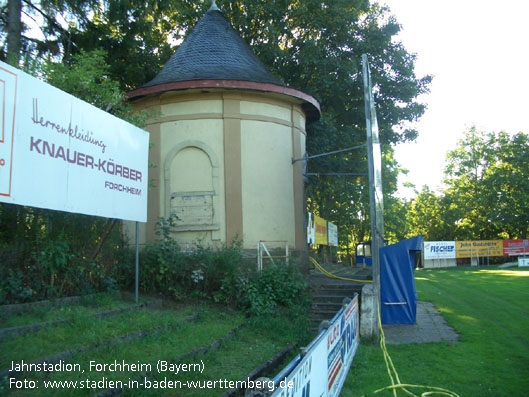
<point>194,210</point>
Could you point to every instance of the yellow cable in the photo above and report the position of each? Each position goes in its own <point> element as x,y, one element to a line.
<point>395,376</point>
<point>330,275</point>
<point>390,367</point>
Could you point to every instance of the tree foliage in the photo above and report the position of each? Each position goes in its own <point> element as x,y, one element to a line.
<point>488,182</point>
<point>487,185</point>
<point>35,29</point>
<point>427,216</point>
<point>311,45</point>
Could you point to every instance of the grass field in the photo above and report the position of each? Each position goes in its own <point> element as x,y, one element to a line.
<point>170,336</point>
<point>85,307</point>
<point>489,308</point>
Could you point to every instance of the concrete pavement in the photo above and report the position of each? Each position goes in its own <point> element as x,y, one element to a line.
<point>430,326</point>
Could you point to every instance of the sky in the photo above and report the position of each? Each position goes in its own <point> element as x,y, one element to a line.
<point>478,54</point>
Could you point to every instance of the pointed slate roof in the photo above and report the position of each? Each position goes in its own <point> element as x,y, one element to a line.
<point>215,56</point>
<point>214,50</point>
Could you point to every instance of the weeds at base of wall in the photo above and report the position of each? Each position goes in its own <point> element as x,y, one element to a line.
<point>219,275</point>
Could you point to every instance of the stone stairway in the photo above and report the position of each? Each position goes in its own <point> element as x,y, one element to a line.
<point>328,294</point>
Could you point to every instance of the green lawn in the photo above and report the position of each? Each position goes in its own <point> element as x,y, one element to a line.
<point>85,307</point>
<point>489,308</point>
<point>255,342</point>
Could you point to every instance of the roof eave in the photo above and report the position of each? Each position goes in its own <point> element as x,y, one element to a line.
<point>310,105</point>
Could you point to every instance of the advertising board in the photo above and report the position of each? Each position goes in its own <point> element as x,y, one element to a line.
<point>332,234</point>
<point>311,229</point>
<point>342,342</point>
<point>439,250</point>
<point>320,230</point>
<point>324,367</point>
<point>472,249</point>
<point>515,247</point>
<point>61,153</point>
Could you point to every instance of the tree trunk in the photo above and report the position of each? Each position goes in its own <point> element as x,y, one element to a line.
<point>110,226</point>
<point>14,31</point>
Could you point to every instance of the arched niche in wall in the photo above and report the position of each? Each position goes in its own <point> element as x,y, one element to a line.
<point>191,175</point>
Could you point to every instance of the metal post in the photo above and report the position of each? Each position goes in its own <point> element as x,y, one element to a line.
<point>137,261</point>
<point>375,182</point>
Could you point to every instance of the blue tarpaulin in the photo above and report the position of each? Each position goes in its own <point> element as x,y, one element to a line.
<point>398,297</point>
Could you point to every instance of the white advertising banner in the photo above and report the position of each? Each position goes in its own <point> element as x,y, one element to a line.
<point>342,342</point>
<point>332,234</point>
<point>308,377</point>
<point>323,369</point>
<point>439,250</point>
<point>311,229</point>
<point>523,262</point>
<point>61,153</point>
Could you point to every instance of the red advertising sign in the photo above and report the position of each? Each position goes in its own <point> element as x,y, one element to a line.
<point>515,247</point>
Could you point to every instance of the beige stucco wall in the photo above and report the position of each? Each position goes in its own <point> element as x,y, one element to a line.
<point>268,194</point>
<point>245,141</point>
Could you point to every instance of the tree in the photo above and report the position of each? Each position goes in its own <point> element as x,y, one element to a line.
<point>508,178</point>
<point>429,215</point>
<point>312,45</point>
<point>14,29</point>
<point>487,178</point>
<point>136,36</point>
<point>54,19</point>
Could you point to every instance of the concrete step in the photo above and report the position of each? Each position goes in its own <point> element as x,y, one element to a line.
<point>328,293</point>
<point>321,282</point>
<point>334,299</point>
<point>326,306</point>
<point>344,292</point>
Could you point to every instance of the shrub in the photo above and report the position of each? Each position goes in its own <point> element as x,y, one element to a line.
<point>53,270</point>
<point>278,285</point>
<point>203,272</point>
<point>218,274</point>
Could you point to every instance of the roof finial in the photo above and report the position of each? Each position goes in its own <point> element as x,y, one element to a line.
<point>213,6</point>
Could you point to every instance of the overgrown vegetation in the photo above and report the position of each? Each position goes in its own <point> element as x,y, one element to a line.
<point>168,335</point>
<point>219,275</point>
<point>50,254</point>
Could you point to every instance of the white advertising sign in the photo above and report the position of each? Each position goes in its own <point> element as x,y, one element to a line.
<point>308,377</point>
<point>439,250</point>
<point>523,262</point>
<point>323,369</point>
<point>342,342</point>
<point>311,229</point>
<point>332,234</point>
<point>61,153</point>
